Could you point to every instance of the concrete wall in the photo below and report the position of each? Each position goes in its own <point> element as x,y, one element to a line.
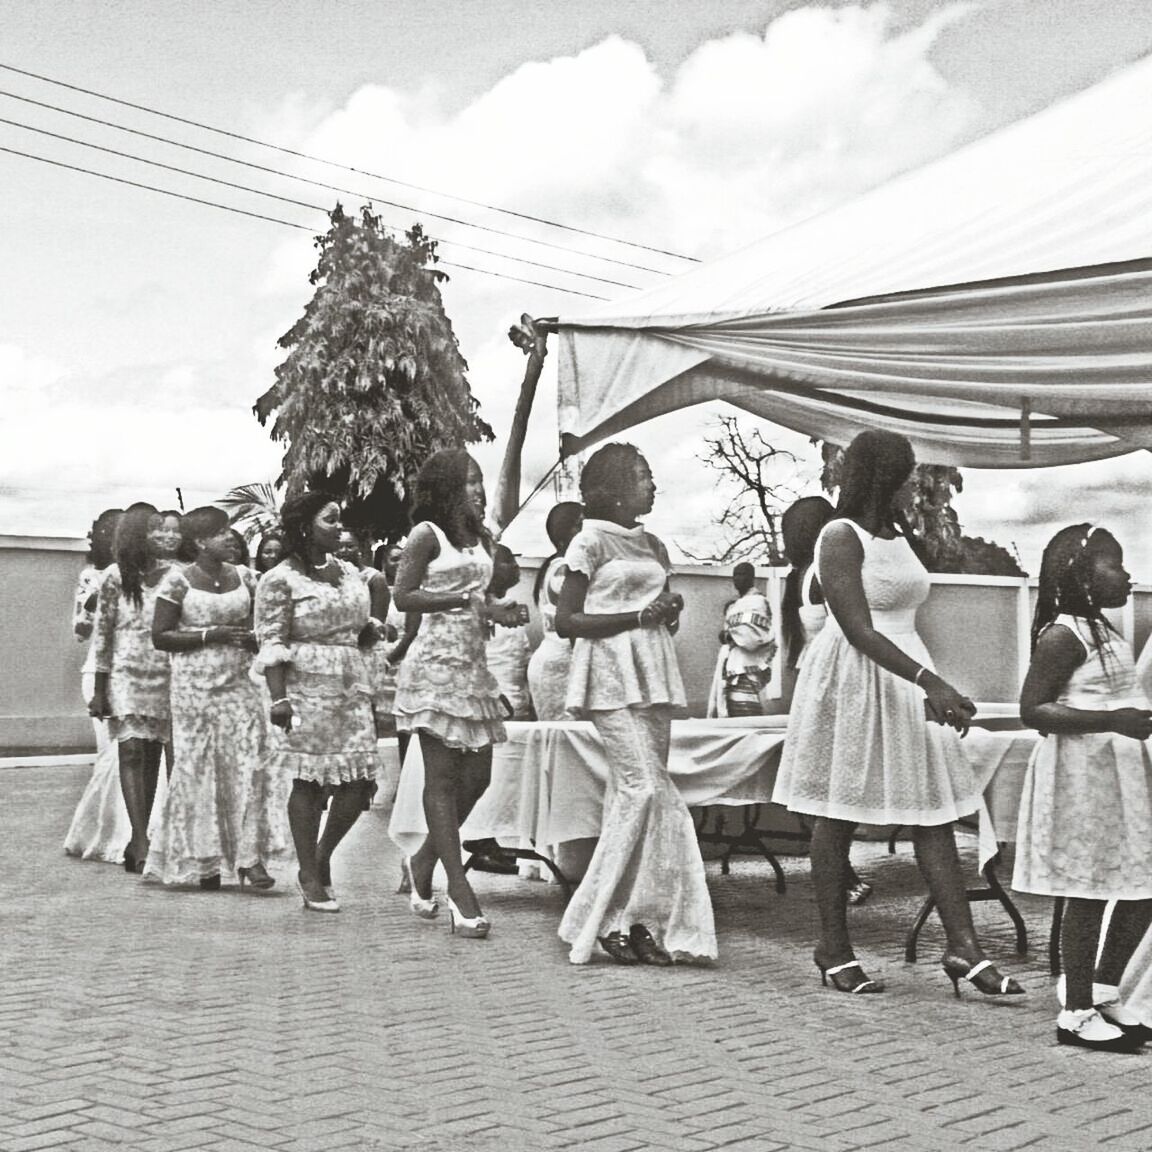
<point>40,703</point>
<point>976,628</point>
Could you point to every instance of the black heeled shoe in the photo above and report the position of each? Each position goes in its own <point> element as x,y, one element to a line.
<point>646,949</point>
<point>131,863</point>
<point>210,883</point>
<point>982,976</point>
<point>256,876</point>
<point>619,947</point>
<point>849,977</point>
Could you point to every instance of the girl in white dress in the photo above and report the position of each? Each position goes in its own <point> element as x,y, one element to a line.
<point>859,747</point>
<point>99,828</point>
<point>312,623</point>
<point>131,680</point>
<point>444,690</point>
<point>222,813</point>
<point>549,665</point>
<point>802,609</point>
<point>1085,826</point>
<point>644,896</point>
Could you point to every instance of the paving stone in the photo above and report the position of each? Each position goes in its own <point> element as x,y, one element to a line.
<point>242,1023</point>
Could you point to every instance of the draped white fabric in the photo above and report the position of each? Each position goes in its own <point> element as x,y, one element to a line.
<point>995,306</point>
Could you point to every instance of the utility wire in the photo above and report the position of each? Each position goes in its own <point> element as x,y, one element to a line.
<point>297,203</point>
<point>345,167</point>
<point>274,219</point>
<point>321,184</point>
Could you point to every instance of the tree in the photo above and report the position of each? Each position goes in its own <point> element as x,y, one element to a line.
<point>751,519</point>
<point>935,522</point>
<point>374,381</point>
<point>254,509</point>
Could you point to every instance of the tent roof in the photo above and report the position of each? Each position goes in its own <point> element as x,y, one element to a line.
<point>1003,291</point>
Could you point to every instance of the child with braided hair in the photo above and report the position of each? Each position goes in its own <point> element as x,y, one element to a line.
<point>1085,826</point>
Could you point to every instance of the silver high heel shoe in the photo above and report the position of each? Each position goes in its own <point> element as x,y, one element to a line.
<point>425,909</point>
<point>475,929</point>
<point>327,905</point>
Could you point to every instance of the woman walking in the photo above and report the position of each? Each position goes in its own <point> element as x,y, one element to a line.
<point>444,691</point>
<point>221,815</point>
<point>131,681</point>
<point>99,825</point>
<point>549,665</point>
<point>859,748</point>
<point>644,896</point>
<point>312,615</point>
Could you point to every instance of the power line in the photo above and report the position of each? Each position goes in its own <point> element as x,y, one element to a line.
<point>345,167</point>
<point>274,219</point>
<point>328,187</point>
<point>297,203</point>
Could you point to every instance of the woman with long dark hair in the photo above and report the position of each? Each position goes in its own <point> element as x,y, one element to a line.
<point>644,897</point>
<point>220,815</point>
<point>312,616</point>
<point>131,684</point>
<point>548,668</point>
<point>444,691</point>
<point>99,825</point>
<point>859,747</point>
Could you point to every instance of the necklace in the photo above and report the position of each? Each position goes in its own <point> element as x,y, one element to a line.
<point>208,576</point>
<point>322,566</point>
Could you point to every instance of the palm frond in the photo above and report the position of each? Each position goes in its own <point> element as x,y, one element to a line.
<point>253,508</point>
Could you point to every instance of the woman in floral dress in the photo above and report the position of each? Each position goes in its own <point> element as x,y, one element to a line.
<point>99,825</point>
<point>312,615</point>
<point>444,691</point>
<point>131,688</point>
<point>221,815</point>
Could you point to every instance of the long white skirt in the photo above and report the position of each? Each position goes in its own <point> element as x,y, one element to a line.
<point>647,867</point>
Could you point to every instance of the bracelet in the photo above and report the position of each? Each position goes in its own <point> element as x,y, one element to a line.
<point>640,618</point>
<point>282,700</point>
<point>916,678</point>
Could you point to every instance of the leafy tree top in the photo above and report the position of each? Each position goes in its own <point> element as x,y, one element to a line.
<point>374,381</point>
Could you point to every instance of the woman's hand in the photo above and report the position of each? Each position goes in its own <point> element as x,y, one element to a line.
<point>370,635</point>
<point>82,629</point>
<point>281,715</point>
<point>1134,722</point>
<point>507,615</point>
<point>945,705</point>
<point>229,635</point>
<point>98,706</point>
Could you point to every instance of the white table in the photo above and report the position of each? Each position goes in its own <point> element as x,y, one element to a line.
<point>548,779</point>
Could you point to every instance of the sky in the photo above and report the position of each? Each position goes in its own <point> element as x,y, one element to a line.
<point>137,328</point>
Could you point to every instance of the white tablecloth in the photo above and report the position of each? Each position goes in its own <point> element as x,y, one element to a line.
<point>548,780</point>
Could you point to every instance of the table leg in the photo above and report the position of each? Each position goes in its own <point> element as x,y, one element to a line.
<point>532,854</point>
<point>994,891</point>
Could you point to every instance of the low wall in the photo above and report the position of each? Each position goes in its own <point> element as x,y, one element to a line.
<point>975,626</point>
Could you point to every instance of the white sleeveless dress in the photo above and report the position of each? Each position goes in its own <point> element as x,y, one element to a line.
<point>859,747</point>
<point>1085,825</point>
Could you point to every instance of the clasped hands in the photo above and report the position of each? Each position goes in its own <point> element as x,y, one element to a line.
<point>944,705</point>
<point>665,609</point>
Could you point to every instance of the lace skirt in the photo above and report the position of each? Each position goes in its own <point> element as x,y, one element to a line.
<point>646,868</point>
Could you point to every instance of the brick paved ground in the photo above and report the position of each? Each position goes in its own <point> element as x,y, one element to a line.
<point>161,1020</point>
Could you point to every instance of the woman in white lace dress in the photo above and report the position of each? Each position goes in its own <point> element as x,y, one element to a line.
<point>312,617</point>
<point>131,681</point>
<point>222,815</point>
<point>859,747</point>
<point>99,828</point>
<point>445,693</point>
<point>549,665</point>
<point>644,895</point>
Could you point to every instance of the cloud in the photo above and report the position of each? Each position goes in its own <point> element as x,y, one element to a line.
<point>749,133</point>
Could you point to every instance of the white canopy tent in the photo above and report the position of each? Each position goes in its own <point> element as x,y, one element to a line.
<point>995,306</point>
